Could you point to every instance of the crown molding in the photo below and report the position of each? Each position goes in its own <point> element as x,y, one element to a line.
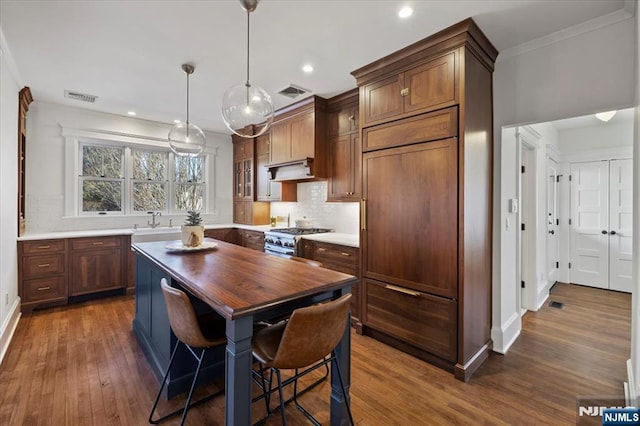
<point>566,33</point>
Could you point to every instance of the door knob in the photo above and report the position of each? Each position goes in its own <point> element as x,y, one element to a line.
<point>613,232</point>
<point>552,232</point>
<point>604,232</point>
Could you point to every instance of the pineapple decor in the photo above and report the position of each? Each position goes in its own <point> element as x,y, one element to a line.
<point>192,230</point>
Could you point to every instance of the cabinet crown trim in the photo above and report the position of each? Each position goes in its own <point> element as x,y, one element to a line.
<point>465,32</point>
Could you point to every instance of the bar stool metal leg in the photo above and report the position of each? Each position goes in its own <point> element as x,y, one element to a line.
<point>164,381</point>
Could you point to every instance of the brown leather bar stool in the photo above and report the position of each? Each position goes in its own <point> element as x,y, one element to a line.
<point>197,333</point>
<point>310,334</point>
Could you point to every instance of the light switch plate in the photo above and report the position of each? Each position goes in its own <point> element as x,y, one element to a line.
<point>513,205</point>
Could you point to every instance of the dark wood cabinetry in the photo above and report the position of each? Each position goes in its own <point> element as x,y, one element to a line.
<point>24,99</point>
<point>251,239</point>
<point>266,189</point>
<point>96,264</point>
<point>245,209</point>
<point>426,117</point>
<point>52,271</point>
<point>42,273</point>
<point>338,258</point>
<point>298,135</point>
<point>425,87</point>
<point>228,235</point>
<point>344,159</point>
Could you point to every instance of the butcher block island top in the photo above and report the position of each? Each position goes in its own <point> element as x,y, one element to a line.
<point>236,281</point>
<point>244,286</point>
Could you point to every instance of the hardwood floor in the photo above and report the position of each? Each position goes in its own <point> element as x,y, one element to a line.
<point>81,365</point>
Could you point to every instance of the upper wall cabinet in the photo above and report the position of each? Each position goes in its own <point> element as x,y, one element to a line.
<point>298,137</point>
<point>344,159</point>
<point>429,86</point>
<point>266,189</point>
<point>24,99</point>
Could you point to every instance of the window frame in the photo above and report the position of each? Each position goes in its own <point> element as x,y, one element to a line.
<point>75,139</point>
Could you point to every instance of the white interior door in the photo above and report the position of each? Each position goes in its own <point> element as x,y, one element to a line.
<point>590,224</point>
<point>527,215</point>
<point>620,224</point>
<point>552,221</point>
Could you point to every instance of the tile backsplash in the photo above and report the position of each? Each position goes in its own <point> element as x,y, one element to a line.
<point>312,196</point>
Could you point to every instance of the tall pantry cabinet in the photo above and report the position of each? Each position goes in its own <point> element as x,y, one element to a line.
<point>426,132</point>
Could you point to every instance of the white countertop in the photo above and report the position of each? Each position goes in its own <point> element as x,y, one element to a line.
<point>351,240</point>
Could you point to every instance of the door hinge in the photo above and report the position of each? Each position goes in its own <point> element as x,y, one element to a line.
<point>569,178</point>
<point>569,221</point>
<point>569,265</point>
<point>557,222</point>
<point>521,284</point>
<point>522,169</point>
<point>557,264</point>
<point>558,178</point>
<point>522,226</point>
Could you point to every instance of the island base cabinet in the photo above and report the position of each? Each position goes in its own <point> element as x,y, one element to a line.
<point>153,330</point>
<point>418,319</point>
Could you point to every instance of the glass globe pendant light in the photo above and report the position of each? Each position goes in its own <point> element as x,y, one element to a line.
<point>247,110</point>
<point>186,139</point>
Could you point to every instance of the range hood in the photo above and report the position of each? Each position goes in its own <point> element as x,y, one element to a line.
<point>298,170</point>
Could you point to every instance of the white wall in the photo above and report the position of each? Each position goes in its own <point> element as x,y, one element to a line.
<point>9,301</point>
<point>47,164</point>
<point>589,72</point>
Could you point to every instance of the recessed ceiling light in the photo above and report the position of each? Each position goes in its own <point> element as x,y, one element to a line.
<point>605,116</point>
<point>308,68</point>
<point>131,113</point>
<point>405,12</point>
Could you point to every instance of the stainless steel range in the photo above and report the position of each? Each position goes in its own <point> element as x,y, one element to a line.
<point>283,242</point>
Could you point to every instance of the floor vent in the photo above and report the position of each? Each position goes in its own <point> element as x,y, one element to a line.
<point>293,91</point>
<point>83,97</point>
<point>557,305</point>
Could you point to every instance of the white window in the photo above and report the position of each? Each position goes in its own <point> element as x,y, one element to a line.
<point>129,179</point>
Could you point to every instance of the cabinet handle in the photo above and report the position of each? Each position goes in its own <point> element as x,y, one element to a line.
<point>44,265</point>
<point>98,243</point>
<point>402,290</point>
<point>363,215</point>
<point>322,249</point>
<point>345,254</point>
<point>404,92</point>
<point>352,117</point>
<point>44,288</point>
<point>44,247</point>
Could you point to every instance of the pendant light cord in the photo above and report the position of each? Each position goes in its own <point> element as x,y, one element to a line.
<point>247,83</point>
<point>187,105</point>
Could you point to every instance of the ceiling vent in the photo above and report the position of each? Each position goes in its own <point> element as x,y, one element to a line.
<point>293,91</point>
<point>83,97</point>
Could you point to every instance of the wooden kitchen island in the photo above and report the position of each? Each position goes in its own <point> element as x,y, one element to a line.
<point>243,286</point>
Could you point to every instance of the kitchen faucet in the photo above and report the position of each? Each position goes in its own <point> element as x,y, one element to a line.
<point>153,222</point>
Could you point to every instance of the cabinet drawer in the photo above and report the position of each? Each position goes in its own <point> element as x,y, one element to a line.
<point>43,289</point>
<point>422,320</point>
<point>42,246</point>
<point>253,240</point>
<point>94,243</point>
<point>340,258</point>
<point>436,125</point>
<point>35,266</point>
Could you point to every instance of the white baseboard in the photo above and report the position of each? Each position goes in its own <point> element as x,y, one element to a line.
<point>630,386</point>
<point>543,294</point>
<point>9,327</point>
<point>504,336</point>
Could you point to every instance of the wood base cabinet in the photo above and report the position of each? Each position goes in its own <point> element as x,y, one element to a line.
<point>96,264</point>
<point>339,258</point>
<point>427,134</point>
<point>42,273</point>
